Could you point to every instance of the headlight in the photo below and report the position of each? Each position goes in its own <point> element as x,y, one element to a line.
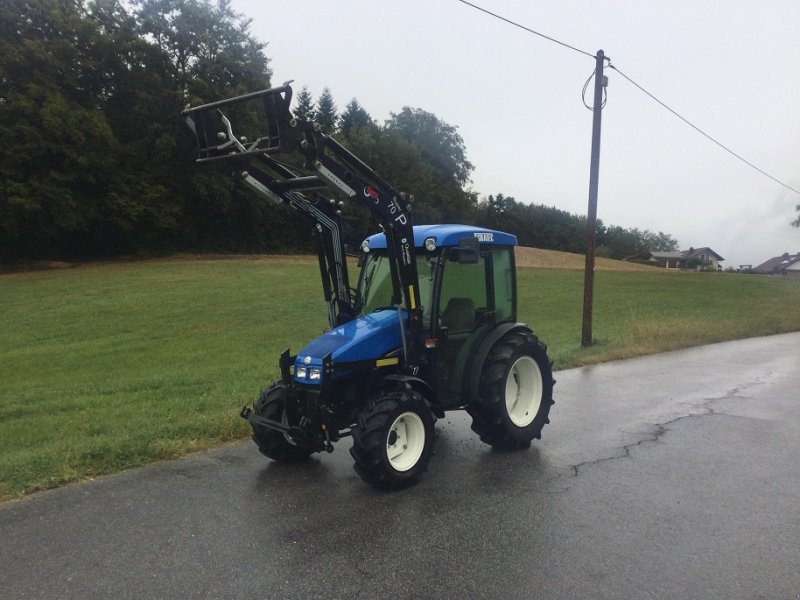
<point>300,372</point>
<point>430,244</point>
<point>315,375</point>
<point>365,246</point>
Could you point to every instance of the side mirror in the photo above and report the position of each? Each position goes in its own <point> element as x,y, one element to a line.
<point>468,250</point>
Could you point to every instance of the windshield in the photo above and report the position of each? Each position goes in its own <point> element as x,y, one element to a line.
<point>375,283</point>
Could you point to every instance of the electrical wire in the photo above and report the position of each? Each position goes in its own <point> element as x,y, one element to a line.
<point>703,133</point>
<point>528,29</point>
<point>632,82</point>
<point>583,93</point>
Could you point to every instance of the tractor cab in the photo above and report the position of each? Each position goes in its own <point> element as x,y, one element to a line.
<point>467,287</point>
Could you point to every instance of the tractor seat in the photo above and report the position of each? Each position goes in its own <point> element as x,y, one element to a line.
<point>459,315</point>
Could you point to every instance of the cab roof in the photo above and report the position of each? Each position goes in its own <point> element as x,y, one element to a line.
<point>448,236</point>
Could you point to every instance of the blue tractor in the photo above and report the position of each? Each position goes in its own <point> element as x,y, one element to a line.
<point>430,326</point>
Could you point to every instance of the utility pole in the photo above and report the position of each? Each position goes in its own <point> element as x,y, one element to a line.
<point>600,82</point>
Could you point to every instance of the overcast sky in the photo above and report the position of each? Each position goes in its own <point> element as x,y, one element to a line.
<point>732,68</point>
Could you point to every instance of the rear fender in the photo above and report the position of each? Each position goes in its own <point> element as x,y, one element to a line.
<point>482,351</point>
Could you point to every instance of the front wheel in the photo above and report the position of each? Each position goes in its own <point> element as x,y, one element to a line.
<point>516,392</point>
<point>393,439</point>
<point>274,444</point>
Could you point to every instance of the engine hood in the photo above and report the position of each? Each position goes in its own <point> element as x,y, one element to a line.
<point>368,337</point>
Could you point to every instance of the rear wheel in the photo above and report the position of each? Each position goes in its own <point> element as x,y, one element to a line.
<point>393,439</point>
<point>515,394</point>
<point>274,444</point>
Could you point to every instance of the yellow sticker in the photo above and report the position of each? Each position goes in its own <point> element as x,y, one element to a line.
<point>385,362</point>
<point>411,295</point>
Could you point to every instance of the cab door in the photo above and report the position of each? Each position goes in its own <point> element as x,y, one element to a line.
<point>465,303</point>
<point>473,298</point>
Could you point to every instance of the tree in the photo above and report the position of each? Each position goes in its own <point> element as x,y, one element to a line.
<point>325,115</point>
<point>91,93</point>
<point>501,212</point>
<point>440,143</point>
<point>204,52</point>
<point>659,242</point>
<point>209,47</point>
<point>304,108</point>
<point>354,118</point>
<point>617,242</point>
<point>796,222</point>
<point>59,155</point>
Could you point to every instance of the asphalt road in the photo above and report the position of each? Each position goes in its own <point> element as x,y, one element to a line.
<point>671,476</point>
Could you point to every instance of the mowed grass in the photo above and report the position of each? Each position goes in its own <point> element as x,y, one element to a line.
<point>638,313</point>
<point>105,367</point>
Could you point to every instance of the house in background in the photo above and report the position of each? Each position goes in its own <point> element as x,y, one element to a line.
<point>669,260</point>
<point>786,264</point>
<point>702,259</point>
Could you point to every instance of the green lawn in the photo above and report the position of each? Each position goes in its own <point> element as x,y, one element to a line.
<point>104,367</point>
<point>638,313</point>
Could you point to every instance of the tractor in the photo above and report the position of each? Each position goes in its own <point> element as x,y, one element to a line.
<point>430,325</point>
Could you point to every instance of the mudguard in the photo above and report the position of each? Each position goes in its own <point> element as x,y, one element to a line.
<point>422,387</point>
<point>481,352</point>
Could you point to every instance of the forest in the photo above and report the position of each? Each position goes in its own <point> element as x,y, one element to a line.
<point>97,162</point>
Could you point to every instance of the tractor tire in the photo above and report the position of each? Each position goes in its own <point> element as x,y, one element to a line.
<point>515,392</point>
<point>275,444</point>
<point>393,439</point>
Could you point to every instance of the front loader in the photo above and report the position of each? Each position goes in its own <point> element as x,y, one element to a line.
<point>429,326</point>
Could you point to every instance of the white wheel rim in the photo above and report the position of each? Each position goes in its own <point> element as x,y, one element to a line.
<point>405,441</point>
<point>523,391</point>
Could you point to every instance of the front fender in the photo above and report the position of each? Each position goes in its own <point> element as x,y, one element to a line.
<point>421,386</point>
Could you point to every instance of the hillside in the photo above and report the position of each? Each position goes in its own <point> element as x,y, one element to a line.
<point>536,258</point>
<point>530,258</point>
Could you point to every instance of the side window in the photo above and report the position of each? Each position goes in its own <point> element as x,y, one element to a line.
<point>463,293</point>
<point>503,285</point>
<point>376,283</point>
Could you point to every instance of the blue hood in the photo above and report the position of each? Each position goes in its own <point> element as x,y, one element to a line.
<point>368,337</point>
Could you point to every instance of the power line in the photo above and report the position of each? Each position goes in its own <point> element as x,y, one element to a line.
<point>703,133</point>
<point>639,87</point>
<point>528,29</point>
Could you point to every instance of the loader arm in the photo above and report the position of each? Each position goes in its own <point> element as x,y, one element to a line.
<point>325,214</point>
<point>327,165</point>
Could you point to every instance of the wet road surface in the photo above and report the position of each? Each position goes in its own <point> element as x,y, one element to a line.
<point>671,476</point>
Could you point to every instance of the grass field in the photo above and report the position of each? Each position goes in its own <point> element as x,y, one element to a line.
<point>104,367</point>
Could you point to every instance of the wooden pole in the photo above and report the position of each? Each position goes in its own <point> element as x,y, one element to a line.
<point>591,217</point>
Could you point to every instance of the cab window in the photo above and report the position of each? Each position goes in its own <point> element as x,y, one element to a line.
<point>375,284</point>
<point>463,294</point>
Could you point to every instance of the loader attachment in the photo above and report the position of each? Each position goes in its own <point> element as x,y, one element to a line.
<point>264,115</point>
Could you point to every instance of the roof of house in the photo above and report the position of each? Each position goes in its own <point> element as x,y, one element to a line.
<point>694,252</point>
<point>777,263</point>
<point>685,254</point>
<point>667,255</point>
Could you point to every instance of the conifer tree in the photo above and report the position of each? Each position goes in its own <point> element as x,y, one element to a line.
<point>304,105</point>
<point>353,118</point>
<point>325,114</point>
